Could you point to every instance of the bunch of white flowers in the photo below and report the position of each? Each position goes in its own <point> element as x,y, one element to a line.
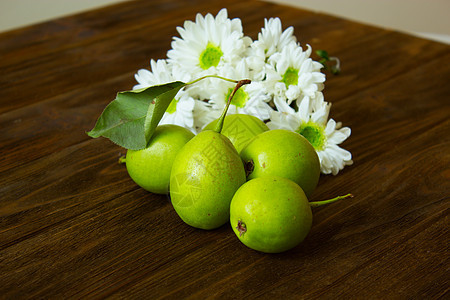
<point>285,90</point>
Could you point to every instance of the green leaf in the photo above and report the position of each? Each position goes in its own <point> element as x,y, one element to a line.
<point>156,111</point>
<point>131,118</point>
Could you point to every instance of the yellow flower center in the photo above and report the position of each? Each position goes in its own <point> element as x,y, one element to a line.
<point>314,133</point>
<point>172,106</point>
<point>210,57</point>
<point>290,77</point>
<point>239,98</point>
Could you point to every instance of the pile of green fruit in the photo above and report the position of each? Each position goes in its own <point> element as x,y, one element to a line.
<point>236,170</point>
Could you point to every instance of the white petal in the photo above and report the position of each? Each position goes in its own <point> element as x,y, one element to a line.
<point>331,125</point>
<point>339,136</point>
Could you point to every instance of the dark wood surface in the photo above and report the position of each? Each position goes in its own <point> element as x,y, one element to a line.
<point>74,225</point>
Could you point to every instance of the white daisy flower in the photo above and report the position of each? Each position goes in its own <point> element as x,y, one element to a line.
<point>181,109</point>
<point>293,75</point>
<point>180,112</point>
<point>204,114</point>
<point>323,134</point>
<point>160,74</point>
<point>208,43</point>
<point>251,99</point>
<point>270,40</point>
<point>272,37</point>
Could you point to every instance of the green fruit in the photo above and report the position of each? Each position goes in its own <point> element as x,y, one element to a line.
<point>270,214</point>
<point>283,153</point>
<point>205,175</point>
<point>240,129</point>
<point>150,167</point>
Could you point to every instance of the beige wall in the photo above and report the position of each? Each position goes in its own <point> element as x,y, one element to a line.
<point>429,18</point>
<point>17,13</point>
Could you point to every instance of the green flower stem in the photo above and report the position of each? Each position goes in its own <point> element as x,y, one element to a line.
<point>325,58</point>
<point>212,76</point>
<point>320,203</point>
<point>222,117</point>
<point>336,69</point>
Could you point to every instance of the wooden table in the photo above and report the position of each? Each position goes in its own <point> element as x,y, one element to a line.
<point>74,225</point>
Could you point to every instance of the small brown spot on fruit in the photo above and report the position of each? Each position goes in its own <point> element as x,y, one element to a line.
<point>249,166</point>
<point>241,227</point>
<point>264,165</point>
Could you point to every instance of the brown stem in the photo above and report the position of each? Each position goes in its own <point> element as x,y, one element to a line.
<point>219,124</point>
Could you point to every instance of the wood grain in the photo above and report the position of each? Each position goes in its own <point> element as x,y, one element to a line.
<point>74,225</point>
